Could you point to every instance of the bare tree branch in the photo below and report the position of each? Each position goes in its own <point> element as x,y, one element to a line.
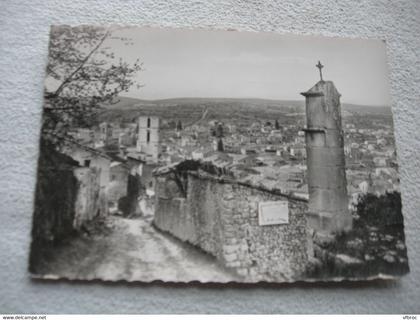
<point>69,78</point>
<point>88,79</point>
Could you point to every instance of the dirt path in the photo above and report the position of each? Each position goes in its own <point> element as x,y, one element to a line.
<point>135,250</point>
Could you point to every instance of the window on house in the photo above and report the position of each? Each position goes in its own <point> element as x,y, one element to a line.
<point>148,136</point>
<point>148,122</point>
<point>87,163</point>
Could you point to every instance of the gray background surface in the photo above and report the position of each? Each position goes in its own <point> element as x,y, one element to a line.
<point>24,27</point>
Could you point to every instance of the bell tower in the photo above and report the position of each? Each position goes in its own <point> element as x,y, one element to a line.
<point>148,138</point>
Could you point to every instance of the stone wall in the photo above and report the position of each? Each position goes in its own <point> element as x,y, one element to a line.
<point>90,201</point>
<point>221,218</point>
<point>54,204</point>
<point>66,196</point>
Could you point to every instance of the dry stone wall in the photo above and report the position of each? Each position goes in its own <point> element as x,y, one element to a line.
<point>221,218</point>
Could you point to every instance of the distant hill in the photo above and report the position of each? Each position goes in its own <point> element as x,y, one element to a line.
<point>127,109</point>
<point>122,103</point>
<point>360,109</point>
<point>132,103</point>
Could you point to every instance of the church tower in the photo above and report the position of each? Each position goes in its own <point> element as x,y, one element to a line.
<point>327,183</point>
<point>148,138</point>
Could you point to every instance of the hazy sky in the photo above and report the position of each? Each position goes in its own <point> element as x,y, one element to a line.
<point>200,63</point>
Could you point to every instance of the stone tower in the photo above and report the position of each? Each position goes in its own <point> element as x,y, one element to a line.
<point>327,184</point>
<point>148,138</point>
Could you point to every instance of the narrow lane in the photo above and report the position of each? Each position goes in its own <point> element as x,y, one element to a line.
<point>135,251</point>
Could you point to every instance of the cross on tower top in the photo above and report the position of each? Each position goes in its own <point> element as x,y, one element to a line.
<point>320,66</point>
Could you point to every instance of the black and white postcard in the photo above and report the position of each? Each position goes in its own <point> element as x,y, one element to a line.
<point>216,156</point>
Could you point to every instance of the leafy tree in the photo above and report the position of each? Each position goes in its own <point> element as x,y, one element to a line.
<point>82,74</point>
<point>383,210</point>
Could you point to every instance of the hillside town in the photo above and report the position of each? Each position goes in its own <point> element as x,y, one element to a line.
<point>262,151</point>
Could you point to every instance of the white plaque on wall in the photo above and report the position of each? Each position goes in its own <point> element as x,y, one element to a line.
<point>273,212</point>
